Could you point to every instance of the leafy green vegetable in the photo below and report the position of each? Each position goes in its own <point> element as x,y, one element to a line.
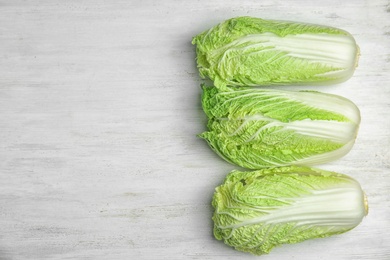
<point>257,128</point>
<point>256,211</point>
<point>248,51</point>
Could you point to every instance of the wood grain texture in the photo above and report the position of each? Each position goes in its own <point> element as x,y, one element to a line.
<point>99,111</point>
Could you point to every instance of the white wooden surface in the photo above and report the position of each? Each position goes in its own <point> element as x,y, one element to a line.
<point>99,111</point>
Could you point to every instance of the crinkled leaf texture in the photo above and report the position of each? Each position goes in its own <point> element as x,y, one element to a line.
<point>256,128</point>
<point>256,211</point>
<point>247,51</point>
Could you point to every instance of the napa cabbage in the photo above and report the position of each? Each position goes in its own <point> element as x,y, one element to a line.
<point>256,128</point>
<point>259,210</point>
<point>248,51</point>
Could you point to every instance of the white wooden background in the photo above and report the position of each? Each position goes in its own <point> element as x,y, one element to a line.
<point>99,111</point>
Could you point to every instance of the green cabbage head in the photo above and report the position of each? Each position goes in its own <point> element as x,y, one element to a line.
<point>256,128</point>
<point>256,211</point>
<point>247,51</point>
